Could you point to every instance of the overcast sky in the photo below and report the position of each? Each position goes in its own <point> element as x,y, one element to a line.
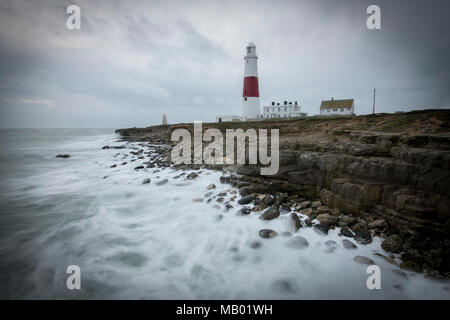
<point>132,61</point>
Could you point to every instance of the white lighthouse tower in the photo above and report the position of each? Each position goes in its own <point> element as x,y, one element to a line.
<point>250,96</point>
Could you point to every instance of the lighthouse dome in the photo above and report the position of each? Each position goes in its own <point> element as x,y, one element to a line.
<point>251,44</point>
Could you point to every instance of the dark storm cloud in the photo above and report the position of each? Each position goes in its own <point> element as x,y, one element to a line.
<point>132,61</point>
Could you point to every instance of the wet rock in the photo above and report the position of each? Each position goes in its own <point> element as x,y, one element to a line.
<point>139,168</point>
<point>379,223</point>
<point>346,232</point>
<point>63,156</point>
<point>228,206</point>
<point>162,182</point>
<point>363,237</point>
<point>146,181</point>
<point>211,186</point>
<point>192,176</point>
<point>222,194</point>
<point>220,199</point>
<point>258,208</point>
<point>363,260</point>
<point>268,200</point>
<point>113,166</point>
<point>335,212</point>
<point>208,194</point>
<point>321,228</point>
<point>387,259</point>
<point>286,234</point>
<point>411,265</point>
<point>327,218</point>
<point>322,210</point>
<point>244,211</point>
<point>124,163</point>
<point>316,204</point>
<point>345,220</point>
<point>270,214</point>
<point>331,246</point>
<point>393,244</point>
<point>267,233</point>
<point>357,227</point>
<point>304,204</point>
<point>245,200</point>
<point>307,212</point>
<point>280,198</point>
<point>297,222</point>
<point>308,222</point>
<point>297,242</point>
<point>244,191</point>
<point>198,200</point>
<point>348,244</point>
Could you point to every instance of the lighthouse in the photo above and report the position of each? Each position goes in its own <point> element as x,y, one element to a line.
<point>250,96</point>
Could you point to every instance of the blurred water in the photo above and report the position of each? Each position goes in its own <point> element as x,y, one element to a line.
<point>134,240</point>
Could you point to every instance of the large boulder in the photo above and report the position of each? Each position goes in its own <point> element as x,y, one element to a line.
<point>363,237</point>
<point>327,218</point>
<point>392,244</point>
<point>270,214</point>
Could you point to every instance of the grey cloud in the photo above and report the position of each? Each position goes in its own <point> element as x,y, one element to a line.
<point>132,61</point>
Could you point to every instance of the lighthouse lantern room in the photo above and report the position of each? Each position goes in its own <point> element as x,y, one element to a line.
<point>250,96</point>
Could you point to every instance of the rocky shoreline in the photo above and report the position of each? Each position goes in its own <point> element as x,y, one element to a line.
<point>393,185</point>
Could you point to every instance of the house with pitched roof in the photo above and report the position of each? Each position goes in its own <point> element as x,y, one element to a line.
<point>337,107</point>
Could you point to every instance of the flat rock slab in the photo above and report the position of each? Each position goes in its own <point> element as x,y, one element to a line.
<point>348,244</point>
<point>162,182</point>
<point>363,260</point>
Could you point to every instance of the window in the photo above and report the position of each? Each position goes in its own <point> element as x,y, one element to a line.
<point>335,110</point>
<point>342,109</point>
<point>278,109</point>
<point>248,50</point>
<point>245,99</point>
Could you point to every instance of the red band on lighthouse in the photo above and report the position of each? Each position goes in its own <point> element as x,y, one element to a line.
<point>251,88</point>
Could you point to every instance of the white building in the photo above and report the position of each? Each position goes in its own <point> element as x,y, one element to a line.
<point>227,118</point>
<point>250,95</point>
<point>337,107</point>
<point>285,110</point>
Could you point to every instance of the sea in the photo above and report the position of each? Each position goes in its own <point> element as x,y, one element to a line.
<point>167,239</point>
